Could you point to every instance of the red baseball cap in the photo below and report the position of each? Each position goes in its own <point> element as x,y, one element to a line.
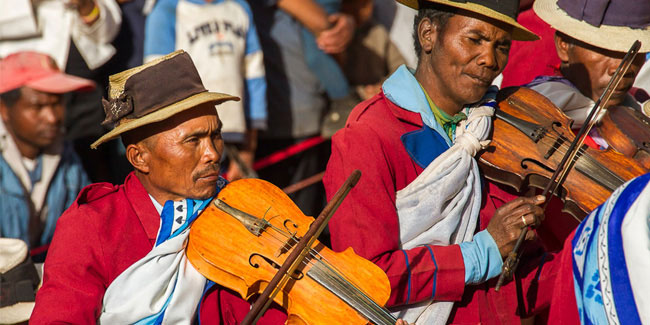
<point>38,71</point>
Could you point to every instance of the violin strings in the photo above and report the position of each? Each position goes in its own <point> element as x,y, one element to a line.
<point>585,158</point>
<point>312,253</point>
<point>590,162</point>
<point>341,282</point>
<point>607,178</point>
<point>335,279</point>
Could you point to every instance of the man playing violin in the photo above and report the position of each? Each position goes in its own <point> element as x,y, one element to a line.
<point>591,40</point>
<point>117,253</point>
<point>117,256</point>
<point>421,210</point>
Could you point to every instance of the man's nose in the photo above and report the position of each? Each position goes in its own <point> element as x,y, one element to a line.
<point>212,152</point>
<point>50,114</point>
<point>488,58</point>
<point>612,65</point>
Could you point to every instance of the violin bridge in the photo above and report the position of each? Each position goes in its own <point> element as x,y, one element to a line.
<point>292,241</point>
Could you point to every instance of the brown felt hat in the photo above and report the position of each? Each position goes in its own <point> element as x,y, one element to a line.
<point>502,10</point>
<point>154,92</point>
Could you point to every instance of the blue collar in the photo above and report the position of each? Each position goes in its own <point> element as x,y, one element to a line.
<point>403,90</point>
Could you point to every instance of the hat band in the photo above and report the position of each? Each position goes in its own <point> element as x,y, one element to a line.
<point>154,88</point>
<point>19,284</point>
<point>608,12</point>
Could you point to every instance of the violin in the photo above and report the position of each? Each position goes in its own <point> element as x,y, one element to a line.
<point>628,132</point>
<point>245,234</point>
<point>531,136</point>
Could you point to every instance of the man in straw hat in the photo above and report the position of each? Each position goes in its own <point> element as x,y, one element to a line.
<point>417,207</point>
<point>118,252</point>
<point>591,39</point>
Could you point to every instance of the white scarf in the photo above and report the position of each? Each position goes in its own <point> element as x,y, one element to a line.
<point>441,206</point>
<point>163,287</point>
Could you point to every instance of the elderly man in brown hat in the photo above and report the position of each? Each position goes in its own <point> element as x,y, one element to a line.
<point>117,254</point>
<point>421,211</point>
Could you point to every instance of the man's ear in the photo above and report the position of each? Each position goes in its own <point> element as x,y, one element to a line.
<point>562,47</point>
<point>138,155</point>
<point>4,113</point>
<point>427,34</point>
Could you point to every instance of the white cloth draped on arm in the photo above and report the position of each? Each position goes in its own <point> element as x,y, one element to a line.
<point>441,206</point>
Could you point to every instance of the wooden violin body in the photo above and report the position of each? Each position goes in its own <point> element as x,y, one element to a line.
<point>244,252</point>
<point>628,131</point>
<point>530,137</point>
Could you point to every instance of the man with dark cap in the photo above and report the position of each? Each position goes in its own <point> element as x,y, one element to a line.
<point>40,175</point>
<point>591,39</point>
<point>420,201</point>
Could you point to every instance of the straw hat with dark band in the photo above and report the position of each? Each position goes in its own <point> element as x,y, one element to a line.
<point>609,24</point>
<point>153,92</point>
<point>503,11</point>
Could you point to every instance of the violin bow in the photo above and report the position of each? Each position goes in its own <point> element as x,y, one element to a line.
<point>563,168</point>
<point>297,256</point>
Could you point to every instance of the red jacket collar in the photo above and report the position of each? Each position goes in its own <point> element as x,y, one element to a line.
<point>141,202</point>
<point>402,114</point>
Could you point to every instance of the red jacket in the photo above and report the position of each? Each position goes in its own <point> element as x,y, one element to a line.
<point>367,221</point>
<point>107,229</point>
<point>564,309</point>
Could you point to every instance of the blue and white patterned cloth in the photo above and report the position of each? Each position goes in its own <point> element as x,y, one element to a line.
<point>163,287</point>
<point>611,258</point>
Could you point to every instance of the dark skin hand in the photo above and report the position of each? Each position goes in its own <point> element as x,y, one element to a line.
<point>83,6</point>
<point>506,225</point>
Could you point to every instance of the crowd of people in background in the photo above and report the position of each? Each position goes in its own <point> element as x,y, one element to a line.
<point>291,62</point>
<point>299,68</point>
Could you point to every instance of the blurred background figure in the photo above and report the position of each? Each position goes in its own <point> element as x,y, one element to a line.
<point>77,34</point>
<point>296,98</point>
<point>221,38</point>
<point>371,56</point>
<point>40,174</point>
<point>366,62</point>
<point>398,20</point>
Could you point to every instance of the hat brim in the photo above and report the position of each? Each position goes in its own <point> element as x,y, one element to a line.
<point>164,113</point>
<point>16,313</point>
<point>613,38</point>
<point>519,32</point>
<point>60,83</point>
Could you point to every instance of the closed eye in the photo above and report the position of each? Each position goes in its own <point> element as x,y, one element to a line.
<point>191,139</point>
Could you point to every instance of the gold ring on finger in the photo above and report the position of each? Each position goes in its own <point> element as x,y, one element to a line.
<point>523,219</point>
